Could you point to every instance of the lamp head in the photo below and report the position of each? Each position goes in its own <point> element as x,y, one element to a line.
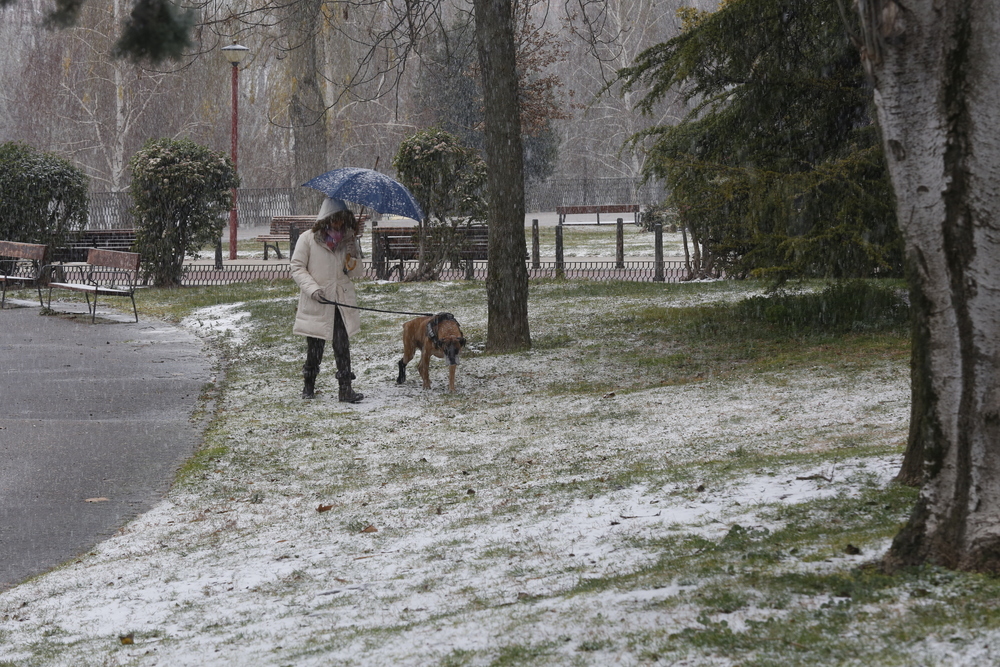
<point>235,53</point>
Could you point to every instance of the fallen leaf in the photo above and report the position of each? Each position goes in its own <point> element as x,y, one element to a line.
<point>471,492</point>
<point>127,639</point>
<point>370,529</point>
<point>96,500</point>
<point>851,550</point>
<point>324,508</point>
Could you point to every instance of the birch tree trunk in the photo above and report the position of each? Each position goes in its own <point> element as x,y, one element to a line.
<point>936,68</point>
<point>507,282</point>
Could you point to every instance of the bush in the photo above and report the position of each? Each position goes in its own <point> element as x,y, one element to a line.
<point>659,214</point>
<point>444,175</point>
<point>43,198</point>
<point>181,193</point>
<point>447,178</point>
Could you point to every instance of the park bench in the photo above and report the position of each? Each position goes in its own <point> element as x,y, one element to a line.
<point>403,243</point>
<point>563,211</point>
<point>280,230</point>
<point>105,273</point>
<point>399,244</point>
<point>20,263</point>
<point>105,239</point>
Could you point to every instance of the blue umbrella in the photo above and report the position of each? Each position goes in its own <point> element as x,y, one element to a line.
<point>369,188</point>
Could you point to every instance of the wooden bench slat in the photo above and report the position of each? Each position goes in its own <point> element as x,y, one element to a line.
<point>23,250</point>
<point>602,208</point>
<point>597,209</point>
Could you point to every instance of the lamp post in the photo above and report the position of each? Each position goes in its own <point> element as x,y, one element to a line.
<point>234,53</point>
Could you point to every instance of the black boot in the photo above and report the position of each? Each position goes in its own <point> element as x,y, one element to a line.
<point>342,353</point>
<point>314,357</point>
<point>309,389</point>
<point>347,395</point>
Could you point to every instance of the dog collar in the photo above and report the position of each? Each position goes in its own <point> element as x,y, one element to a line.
<point>432,327</point>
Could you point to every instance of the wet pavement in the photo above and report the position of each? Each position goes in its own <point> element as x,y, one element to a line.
<point>94,421</point>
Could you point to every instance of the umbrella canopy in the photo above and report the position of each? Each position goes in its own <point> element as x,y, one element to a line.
<point>368,188</point>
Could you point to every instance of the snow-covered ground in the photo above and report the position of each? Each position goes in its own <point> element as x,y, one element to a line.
<point>503,524</point>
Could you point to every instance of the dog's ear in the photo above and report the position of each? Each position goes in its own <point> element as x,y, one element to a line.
<point>461,341</point>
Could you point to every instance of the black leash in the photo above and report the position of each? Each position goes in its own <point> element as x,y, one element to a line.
<point>374,310</point>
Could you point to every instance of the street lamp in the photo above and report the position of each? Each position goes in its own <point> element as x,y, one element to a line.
<point>234,53</point>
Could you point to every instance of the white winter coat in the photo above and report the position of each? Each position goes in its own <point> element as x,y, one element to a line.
<point>315,266</point>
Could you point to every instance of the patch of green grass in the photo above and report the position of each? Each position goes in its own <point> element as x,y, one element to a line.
<point>175,304</point>
<point>201,461</point>
<point>849,622</point>
<point>522,654</point>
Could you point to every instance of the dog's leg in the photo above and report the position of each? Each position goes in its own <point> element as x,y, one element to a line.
<point>408,350</point>
<point>425,366</point>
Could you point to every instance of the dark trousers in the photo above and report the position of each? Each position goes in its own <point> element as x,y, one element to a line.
<point>341,352</point>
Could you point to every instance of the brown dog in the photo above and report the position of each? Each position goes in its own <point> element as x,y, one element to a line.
<point>438,335</point>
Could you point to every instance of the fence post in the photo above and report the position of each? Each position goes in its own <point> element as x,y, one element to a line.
<point>535,253</point>
<point>658,252</point>
<point>560,264</point>
<point>620,244</point>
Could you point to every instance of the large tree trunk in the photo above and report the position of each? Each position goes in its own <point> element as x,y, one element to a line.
<point>936,68</point>
<point>306,106</point>
<point>507,283</point>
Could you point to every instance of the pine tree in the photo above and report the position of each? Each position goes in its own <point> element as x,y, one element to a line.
<point>778,170</point>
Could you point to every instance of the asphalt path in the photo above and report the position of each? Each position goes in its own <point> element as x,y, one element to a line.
<point>94,421</point>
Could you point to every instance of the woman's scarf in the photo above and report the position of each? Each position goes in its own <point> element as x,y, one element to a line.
<point>332,238</point>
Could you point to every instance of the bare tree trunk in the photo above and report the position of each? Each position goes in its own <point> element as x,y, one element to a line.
<point>936,66</point>
<point>697,272</point>
<point>307,108</point>
<point>507,282</point>
<point>687,254</point>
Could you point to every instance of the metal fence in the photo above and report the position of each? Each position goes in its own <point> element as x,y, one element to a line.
<point>197,275</point>
<point>110,210</point>
<point>256,206</point>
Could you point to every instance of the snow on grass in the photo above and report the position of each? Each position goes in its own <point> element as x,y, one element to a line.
<point>510,521</point>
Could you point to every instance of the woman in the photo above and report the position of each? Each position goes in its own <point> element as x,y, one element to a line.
<point>324,261</point>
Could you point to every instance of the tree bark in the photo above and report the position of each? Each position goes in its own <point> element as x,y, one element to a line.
<point>936,68</point>
<point>507,282</point>
<point>911,472</point>
<point>306,107</point>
